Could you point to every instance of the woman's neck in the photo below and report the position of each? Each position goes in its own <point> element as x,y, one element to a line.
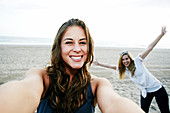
<point>71,73</point>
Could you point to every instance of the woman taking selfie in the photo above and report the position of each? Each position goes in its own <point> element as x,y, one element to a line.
<point>65,86</point>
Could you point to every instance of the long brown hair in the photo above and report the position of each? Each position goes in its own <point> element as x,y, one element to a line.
<point>122,67</point>
<point>68,100</point>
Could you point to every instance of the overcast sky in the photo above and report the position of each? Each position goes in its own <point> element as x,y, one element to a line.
<point>116,22</point>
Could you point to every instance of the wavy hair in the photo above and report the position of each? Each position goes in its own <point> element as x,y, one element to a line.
<point>61,98</point>
<point>122,67</point>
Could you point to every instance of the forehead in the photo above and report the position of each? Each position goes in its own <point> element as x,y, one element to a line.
<point>74,31</point>
<point>125,56</point>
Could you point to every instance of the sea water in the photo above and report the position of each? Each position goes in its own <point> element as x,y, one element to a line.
<point>11,40</point>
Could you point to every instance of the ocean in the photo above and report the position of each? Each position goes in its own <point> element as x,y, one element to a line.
<point>11,40</point>
<point>18,40</point>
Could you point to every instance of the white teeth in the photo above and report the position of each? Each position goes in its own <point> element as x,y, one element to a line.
<point>126,63</point>
<point>76,58</point>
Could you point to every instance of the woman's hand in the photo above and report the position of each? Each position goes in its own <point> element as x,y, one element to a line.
<point>163,30</point>
<point>95,62</point>
<point>153,44</point>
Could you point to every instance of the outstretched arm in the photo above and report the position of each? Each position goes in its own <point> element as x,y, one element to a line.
<point>22,96</point>
<point>110,102</point>
<point>104,65</point>
<point>152,45</point>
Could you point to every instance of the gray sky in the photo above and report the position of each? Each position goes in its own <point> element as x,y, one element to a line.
<point>115,22</point>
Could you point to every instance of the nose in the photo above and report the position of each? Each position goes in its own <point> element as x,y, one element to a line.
<point>123,61</point>
<point>76,48</point>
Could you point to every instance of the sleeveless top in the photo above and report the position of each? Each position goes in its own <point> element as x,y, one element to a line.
<point>87,107</point>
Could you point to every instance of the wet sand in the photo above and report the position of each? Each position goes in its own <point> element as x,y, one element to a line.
<point>16,60</point>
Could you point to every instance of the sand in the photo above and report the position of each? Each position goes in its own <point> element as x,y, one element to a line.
<point>16,60</point>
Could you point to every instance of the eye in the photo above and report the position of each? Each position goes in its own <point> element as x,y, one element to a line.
<point>83,42</point>
<point>68,42</point>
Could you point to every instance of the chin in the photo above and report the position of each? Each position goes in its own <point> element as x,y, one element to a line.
<point>127,66</point>
<point>77,67</point>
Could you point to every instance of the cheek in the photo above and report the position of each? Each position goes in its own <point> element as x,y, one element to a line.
<point>65,50</point>
<point>85,49</point>
<point>129,60</point>
<point>62,52</point>
<point>122,62</point>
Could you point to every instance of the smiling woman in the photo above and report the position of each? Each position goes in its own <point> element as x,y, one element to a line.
<point>65,86</point>
<point>148,84</point>
<point>74,47</point>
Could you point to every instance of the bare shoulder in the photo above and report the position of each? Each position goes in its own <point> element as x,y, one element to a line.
<point>25,93</point>
<point>35,71</point>
<point>99,80</point>
<point>40,75</point>
<point>99,83</point>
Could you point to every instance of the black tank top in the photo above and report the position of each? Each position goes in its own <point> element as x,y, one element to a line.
<point>87,107</point>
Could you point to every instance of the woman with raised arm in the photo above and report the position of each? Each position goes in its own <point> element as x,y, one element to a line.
<point>149,85</point>
<point>66,86</point>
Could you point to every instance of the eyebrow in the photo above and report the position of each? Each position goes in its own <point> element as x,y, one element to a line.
<point>83,39</point>
<point>68,39</point>
<point>72,39</point>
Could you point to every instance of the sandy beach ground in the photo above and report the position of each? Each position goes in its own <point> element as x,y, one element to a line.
<point>16,60</point>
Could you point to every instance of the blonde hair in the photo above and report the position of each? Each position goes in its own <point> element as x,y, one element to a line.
<point>122,67</point>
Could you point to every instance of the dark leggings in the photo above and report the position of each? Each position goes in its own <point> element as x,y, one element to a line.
<point>162,100</point>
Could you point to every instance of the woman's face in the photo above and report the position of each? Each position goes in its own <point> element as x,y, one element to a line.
<point>126,60</point>
<point>74,47</point>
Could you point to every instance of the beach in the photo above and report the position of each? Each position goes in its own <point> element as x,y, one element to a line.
<point>15,60</point>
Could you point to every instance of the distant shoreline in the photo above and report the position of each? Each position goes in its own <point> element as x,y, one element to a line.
<point>48,45</point>
<point>42,41</point>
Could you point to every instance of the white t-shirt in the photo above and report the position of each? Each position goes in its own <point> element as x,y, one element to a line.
<point>145,81</point>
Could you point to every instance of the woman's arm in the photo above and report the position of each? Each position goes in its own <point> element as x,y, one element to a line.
<point>111,102</point>
<point>104,65</point>
<point>22,96</point>
<point>152,45</point>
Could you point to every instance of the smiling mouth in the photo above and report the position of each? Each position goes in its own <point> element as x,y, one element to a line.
<point>76,58</point>
<point>126,64</point>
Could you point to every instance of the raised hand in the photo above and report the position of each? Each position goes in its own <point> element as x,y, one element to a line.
<point>95,62</point>
<point>163,30</point>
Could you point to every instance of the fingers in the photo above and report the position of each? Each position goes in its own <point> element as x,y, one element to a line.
<point>95,62</point>
<point>164,29</point>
